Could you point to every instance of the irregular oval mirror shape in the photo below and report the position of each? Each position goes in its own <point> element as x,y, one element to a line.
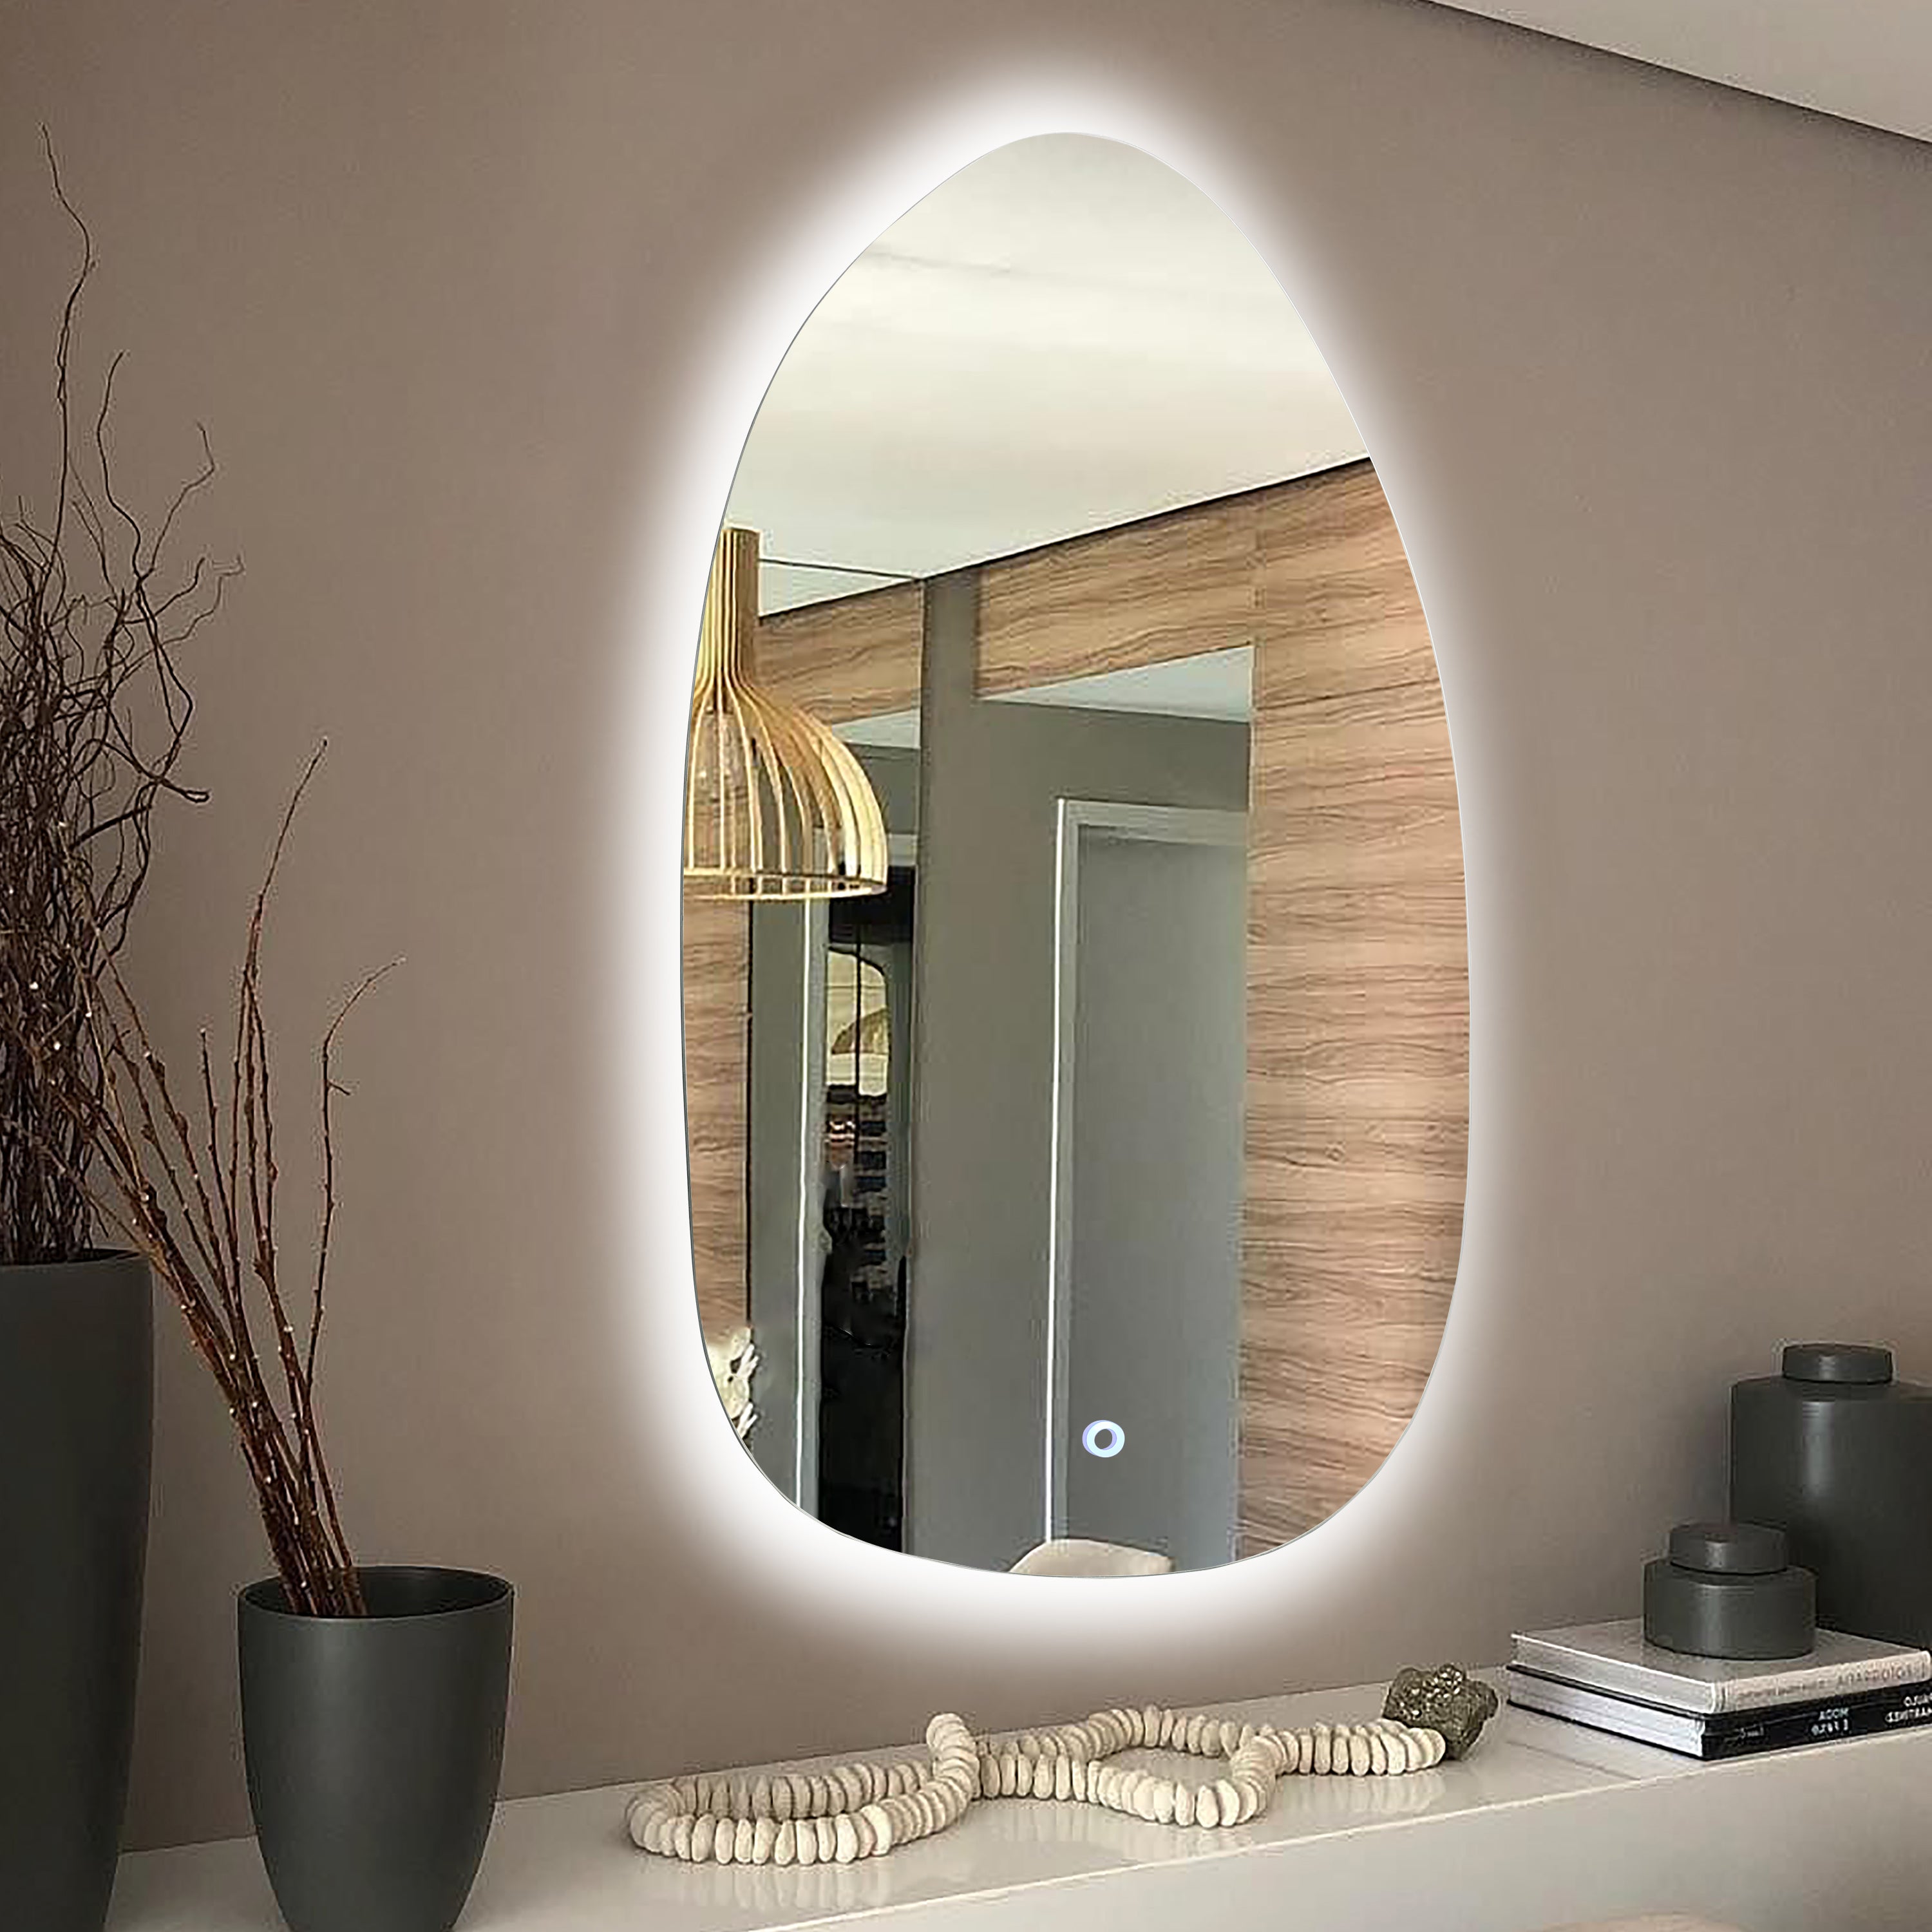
<point>1085,1196</point>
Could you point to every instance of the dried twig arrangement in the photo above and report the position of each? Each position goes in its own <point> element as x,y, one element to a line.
<point>93,718</point>
<point>193,1188</point>
<point>93,715</point>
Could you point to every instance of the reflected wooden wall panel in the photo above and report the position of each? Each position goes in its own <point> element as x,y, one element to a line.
<point>717,1044</point>
<point>851,657</point>
<point>1358,1009</point>
<point>1169,586</point>
<point>1332,580</point>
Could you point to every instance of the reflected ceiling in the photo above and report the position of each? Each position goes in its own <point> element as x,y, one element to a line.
<point>1140,357</point>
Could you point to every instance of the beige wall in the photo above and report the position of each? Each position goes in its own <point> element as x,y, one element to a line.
<point>1643,368</point>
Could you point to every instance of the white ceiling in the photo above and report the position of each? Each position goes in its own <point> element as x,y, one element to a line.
<point>1215,685</point>
<point>1065,336</point>
<point>891,731</point>
<point>1865,60</point>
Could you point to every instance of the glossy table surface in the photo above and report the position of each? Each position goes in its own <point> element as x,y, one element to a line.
<point>1545,1822</point>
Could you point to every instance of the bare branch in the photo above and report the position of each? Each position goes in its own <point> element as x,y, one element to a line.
<point>93,718</point>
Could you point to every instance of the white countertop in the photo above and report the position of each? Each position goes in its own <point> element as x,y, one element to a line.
<point>1544,1821</point>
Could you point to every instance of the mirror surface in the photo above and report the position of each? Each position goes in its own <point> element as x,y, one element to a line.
<point>1087,1199</point>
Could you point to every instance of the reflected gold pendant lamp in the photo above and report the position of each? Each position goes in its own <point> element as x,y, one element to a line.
<point>775,805</point>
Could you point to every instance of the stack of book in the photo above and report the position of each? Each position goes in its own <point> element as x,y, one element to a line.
<point>1605,1676</point>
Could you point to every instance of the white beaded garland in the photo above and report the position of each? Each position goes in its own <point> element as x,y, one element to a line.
<point>855,1811</point>
<point>865,1810</point>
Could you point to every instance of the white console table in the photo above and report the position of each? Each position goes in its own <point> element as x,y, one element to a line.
<point>1543,1824</point>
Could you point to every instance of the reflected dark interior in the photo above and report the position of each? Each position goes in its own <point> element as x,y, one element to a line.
<point>867,1168</point>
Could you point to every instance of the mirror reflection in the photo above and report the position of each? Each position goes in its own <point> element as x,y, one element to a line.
<point>1075,993</point>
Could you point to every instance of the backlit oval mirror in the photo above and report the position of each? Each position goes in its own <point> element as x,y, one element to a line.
<point>1076,983</point>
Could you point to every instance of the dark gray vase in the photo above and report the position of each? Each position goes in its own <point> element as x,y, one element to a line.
<point>76,1411</point>
<point>374,1745</point>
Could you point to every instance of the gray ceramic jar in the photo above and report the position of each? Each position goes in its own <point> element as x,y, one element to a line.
<point>374,1745</point>
<point>1727,1589</point>
<point>1837,1452</point>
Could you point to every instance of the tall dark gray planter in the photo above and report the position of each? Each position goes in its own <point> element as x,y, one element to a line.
<point>374,1745</point>
<point>76,1412</point>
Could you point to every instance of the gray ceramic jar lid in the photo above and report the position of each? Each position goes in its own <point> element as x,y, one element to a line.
<point>1729,1549</point>
<point>1837,1362</point>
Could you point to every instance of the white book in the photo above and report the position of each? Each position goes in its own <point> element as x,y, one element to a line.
<point>1671,1729</point>
<point>1614,1657</point>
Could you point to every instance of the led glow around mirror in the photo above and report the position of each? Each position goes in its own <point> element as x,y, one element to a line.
<point>1055,1182</point>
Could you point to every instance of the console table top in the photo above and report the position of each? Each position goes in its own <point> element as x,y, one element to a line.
<point>563,1863</point>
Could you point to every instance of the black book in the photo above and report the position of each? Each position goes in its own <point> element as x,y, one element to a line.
<point>1729,1734</point>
